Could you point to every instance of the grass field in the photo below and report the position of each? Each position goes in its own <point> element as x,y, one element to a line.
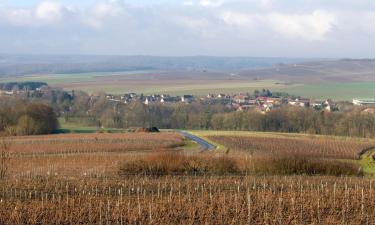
<point>145,82</point>
<point>71,127</point>
<point>336,91</point>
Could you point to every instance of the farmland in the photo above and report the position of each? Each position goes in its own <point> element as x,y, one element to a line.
<point>153,83</point>
<point>327,79</point>
<point>85,179</point>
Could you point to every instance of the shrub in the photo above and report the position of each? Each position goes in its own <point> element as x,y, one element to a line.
<point>174,163</point>
<point>302,165</point>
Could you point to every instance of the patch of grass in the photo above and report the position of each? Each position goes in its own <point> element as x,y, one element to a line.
<point>368,163</point>
<point>70,127</point>
<point>219,147</point>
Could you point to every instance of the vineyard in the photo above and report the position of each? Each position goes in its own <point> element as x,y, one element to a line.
<point>189,200</point>
<point>90,143</point>
<point>75,155</point>
<point>309,146</point>
<point>92,179</point>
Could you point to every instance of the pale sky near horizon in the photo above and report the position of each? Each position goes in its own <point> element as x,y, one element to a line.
<point>286,28</point>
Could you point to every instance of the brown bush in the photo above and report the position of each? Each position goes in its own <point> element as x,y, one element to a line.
<point>302,165</point>
<point>174,163</point>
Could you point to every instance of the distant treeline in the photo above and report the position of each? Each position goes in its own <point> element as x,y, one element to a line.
<point>349,122</point>
<point>36,114</point>
<point>21,85</point>
<point>21,117</point>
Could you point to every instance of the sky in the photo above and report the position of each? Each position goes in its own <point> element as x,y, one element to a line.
<point>263,28</point>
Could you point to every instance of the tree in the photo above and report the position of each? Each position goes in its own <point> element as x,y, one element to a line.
<point>4,158</point>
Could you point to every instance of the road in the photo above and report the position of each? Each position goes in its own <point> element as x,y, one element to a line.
<point>204,144</point>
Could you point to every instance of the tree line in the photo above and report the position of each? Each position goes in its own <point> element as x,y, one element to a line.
<point>351,121</point>
<point>22,117</point>
<point>38,115</point>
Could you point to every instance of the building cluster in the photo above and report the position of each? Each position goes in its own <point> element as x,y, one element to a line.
<point>239,102</point>
<point>22,92</point>
<point>150,99</point>
<point>267,103</point>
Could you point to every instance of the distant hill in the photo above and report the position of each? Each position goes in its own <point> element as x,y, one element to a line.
<point>68,64</point>
<point>345,70</point>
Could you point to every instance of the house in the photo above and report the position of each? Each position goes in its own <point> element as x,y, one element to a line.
<point>110,97</point>
<point>9,92</point>
<point>253,102</point>
<point>146,102</point>
<point>329,105</point>
<point>187,98</point>
<point>210,96</point>
<point>364,102</point>
<point>274,101</point>
<point>245,107</point>
<point>241,99</point>
<point>221,95</point>
<point>133,95</point>
<point>316,104</point>
<point>302,102</point>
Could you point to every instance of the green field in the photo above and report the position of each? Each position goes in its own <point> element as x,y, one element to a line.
<point>125,82</point>
<point>336,91</point>
<point>70,127</point>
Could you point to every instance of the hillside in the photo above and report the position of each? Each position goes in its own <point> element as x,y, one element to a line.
<point>55,64</point>
<point>346,70</point>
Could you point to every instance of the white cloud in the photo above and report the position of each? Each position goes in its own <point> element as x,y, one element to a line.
<point>238,19</point>
<point>49,11</point>
<point>211,3</point>
<point>18,17</point>
<point>103,11</point>
<point>312,27</point>
<point>227,27</point>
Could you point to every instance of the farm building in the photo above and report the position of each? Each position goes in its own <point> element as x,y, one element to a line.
<point>364,102</point>
<point>187,98</point>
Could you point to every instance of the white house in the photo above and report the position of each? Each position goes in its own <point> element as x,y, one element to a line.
<point>364,102</point>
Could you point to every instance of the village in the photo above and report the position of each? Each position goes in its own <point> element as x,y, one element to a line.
<point>260,100</point>
<point>263,101</point>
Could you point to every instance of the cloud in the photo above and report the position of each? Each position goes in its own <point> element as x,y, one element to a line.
<point>49,11</point>
<point>44,13</point>
<point>311,27</point>
<point>211,3</point>
<point>103,11</point>
<point>205,27</point>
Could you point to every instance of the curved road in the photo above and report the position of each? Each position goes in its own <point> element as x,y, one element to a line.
<point>204,144</point>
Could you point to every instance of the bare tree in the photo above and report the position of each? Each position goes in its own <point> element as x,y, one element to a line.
<point>4,158</point>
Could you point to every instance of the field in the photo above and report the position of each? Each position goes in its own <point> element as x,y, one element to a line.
<point>321,79</point>
<point>334,90</point>
<point>148,83</point>
<point>71,127</point>
<point>265,145</point>
<point>80,179</point>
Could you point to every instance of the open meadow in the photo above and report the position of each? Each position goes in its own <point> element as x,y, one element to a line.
<point>147,178</point>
